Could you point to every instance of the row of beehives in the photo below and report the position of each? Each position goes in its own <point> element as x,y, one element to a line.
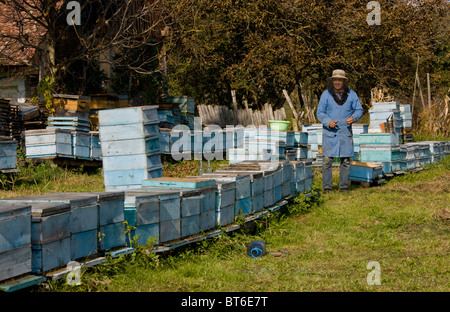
<point>57,142</point>
<point>385,149</point>
<point>43,232</point>
<point>393,117</point>
<point>314,139</point>
<point>237,144</point>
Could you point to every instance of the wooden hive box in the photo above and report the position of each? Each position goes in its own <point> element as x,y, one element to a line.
<point>48,143</point>
<point>256,184</point>
<point>365,171</point>
<point>8,153</point>
<point>142,212</point>
<point>128,115</point>
<point>71,102</point>
<point>379,138</point>
<point>225,200</point>
<point>243,193</point>
<point>15,240</point>
<point>83,219</point>
<point>137,130</point>
<point>206,195</point>
<point>110,227</point>
<point>169,211</point>
<point>379,152</point>
<point>81,142</point>
<point>104,101</point>
<point>95,150</point>
<point>50,236</point>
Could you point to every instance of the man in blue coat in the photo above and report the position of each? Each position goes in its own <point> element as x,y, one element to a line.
<point>338,108</point>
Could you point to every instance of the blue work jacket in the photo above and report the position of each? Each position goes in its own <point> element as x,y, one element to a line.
<point>338,141</point>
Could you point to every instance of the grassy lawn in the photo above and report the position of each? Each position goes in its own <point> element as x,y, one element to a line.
<point>403,225</point>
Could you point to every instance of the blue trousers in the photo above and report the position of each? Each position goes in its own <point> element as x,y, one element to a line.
<point>344,172</point>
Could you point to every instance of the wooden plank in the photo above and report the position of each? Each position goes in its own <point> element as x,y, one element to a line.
<point>22,282</point>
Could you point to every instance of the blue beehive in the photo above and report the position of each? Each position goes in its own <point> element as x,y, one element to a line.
<point>15,240</point>
<point>365,172</point>
<point>130,144</point>
<point>8,153</point>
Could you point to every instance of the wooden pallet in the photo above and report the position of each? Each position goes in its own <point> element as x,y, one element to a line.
<point>21,282</point>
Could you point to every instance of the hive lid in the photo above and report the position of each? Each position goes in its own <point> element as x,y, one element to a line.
<point>190,182</point>
<point>11,210</point>
<point>73,200</point>
<point>101,196</point>
<point>39,210</point>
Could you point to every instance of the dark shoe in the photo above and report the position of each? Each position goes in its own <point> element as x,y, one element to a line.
<point>343,190</point>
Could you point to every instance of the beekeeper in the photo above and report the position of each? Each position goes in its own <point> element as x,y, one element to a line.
<point>339,107</point>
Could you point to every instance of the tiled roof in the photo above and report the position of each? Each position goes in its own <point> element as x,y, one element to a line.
<point>19,34</point>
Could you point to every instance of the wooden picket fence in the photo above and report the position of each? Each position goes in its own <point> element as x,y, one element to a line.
<point>223,116</point>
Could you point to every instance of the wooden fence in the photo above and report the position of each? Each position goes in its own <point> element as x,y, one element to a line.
<point>223,116</point>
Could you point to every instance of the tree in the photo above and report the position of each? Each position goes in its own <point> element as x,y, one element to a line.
<point>67,53</point>
<point>260,47</point>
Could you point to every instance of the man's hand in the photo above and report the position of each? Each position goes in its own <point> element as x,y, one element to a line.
<point>349,120</point>
<point>332,124</point>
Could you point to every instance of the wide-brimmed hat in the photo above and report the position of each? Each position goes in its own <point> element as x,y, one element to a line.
<point>339,73</point>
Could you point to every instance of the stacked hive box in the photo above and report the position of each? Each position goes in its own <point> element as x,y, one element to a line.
<point>8,153</point>
<point>436,149</point>
<point>380,113</point>
<point>130,146</point>
<point>50,236</point>
<point>225,199</point>
<point>302,176</point>
<point>48,143</point>
<point>81,145</point>
<point>95,151</point>
<point>406,118</point>
<point>183,110</point>
<point>142,215</point>
<point>15,240</point>
<point>80,137</point>
<point>300,146</point>
<point>82,226</point>
<point>261,145</point>
<point>314,139</point>
<point>422,154</point>
<point>69,123</point>
<point>110,216</point>
<point>408,161</point>
<point>357,130</point>
<point>243,203</point>
<point>198,201</point>
<point>4,117</point>
<point>382,148</point>
<point>256,182</point>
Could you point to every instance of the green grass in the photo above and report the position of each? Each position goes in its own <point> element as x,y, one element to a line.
<point>48,178</point>
<point>330,239</point>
